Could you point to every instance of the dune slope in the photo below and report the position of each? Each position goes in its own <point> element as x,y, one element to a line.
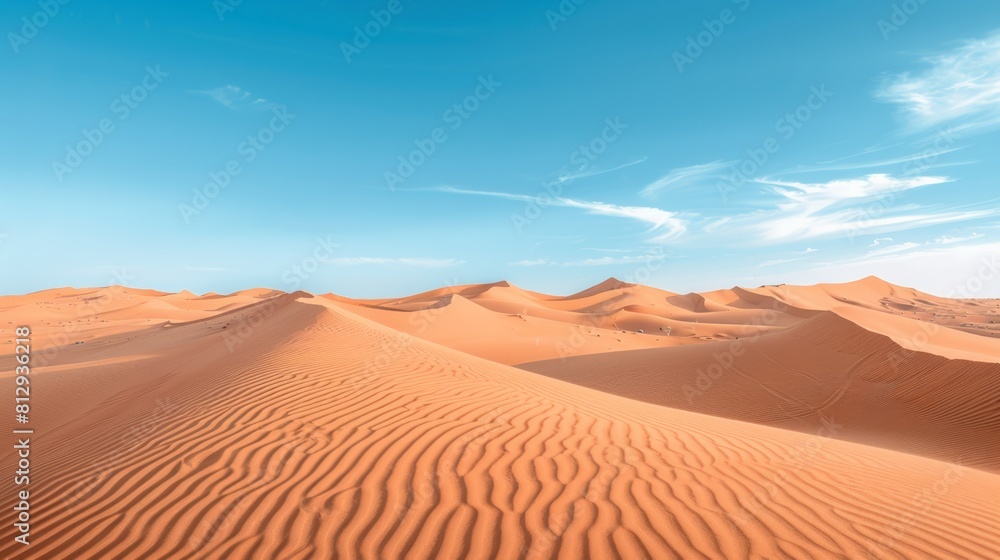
<point>826,369</point>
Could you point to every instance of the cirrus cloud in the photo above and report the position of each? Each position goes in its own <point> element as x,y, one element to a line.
<point>666,226</point>
<point>961,85</point>
<point>416,262</point>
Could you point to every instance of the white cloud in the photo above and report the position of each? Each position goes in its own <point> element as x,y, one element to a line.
<point>948,240</point>
<point>667,226</point>
<point>236,98</point>
<point>825,194</point>
<point>607,250</point>
<point>775,262</point>
<point>811,210</point>
<point>716,223</point>
<point>891,249</point>
<point>531,262</point>
<point>422,263</point>
<point>878,241</point>
<point>961,86</point>
<point>683,176</point>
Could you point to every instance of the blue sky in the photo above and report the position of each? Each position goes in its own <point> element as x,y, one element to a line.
<point>381,148</point>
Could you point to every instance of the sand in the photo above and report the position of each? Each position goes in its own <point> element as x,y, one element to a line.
<point>269,425</point>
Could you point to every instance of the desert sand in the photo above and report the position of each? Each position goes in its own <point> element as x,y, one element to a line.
<point>851,421</point>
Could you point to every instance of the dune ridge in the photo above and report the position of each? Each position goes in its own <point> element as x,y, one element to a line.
<point>617,312</point>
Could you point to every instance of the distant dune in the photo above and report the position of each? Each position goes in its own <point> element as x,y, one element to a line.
<point>851,421</point>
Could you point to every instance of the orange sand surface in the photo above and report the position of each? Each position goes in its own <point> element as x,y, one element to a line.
<point>849,421</point>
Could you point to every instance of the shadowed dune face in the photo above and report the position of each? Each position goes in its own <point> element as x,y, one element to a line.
<point>822,370</point>
<point>269,425</point>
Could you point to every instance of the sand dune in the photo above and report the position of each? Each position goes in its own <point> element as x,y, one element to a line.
<point>267,425</point>
<point>524,326</point>
<point>824,369</point>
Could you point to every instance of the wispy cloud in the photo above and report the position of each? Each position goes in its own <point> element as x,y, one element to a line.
<point>236,98</point>
<point>961,85</point>
<point>666,226</point>
<point>949,240</point>
<point>775,262</point>
<point>421,263</point>
<point>921,157</point>
<point>892,249</point>
<point>683,176</point>
<point>714,224</point>
<point>866,151</point>
<point>878,241</point>
<point>825,194</point>
<point>799,256</point>
<point>598,249</point>
<point>811,210</point>
<point>531,262</point>
<point>566,177</point>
